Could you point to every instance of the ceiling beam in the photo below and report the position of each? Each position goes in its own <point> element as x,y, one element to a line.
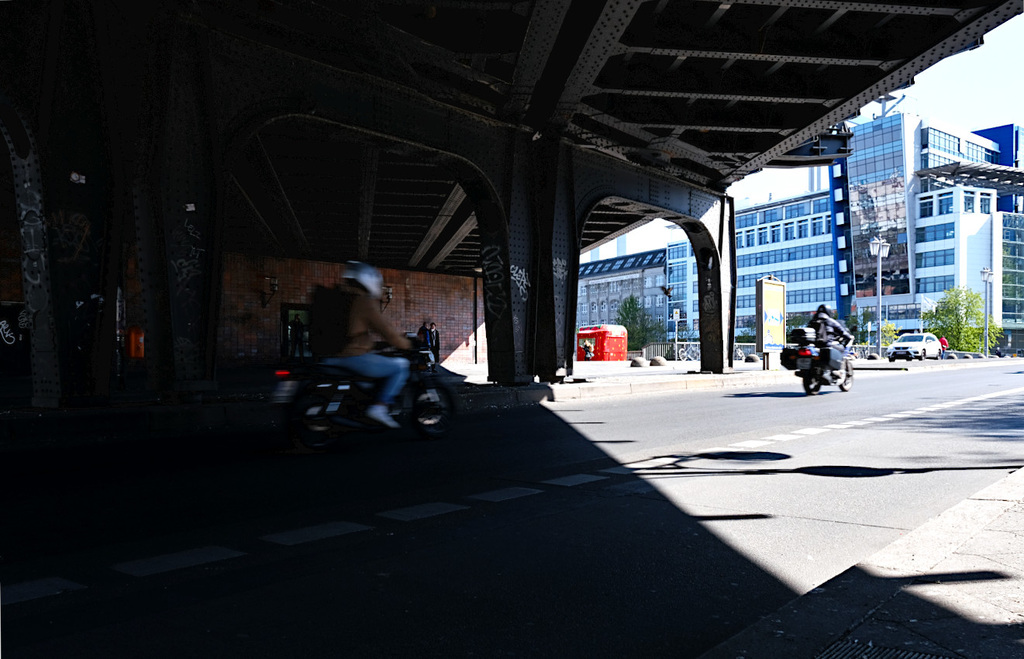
<point>448,209</point>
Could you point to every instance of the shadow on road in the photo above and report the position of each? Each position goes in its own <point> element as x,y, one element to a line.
<point>606,567</point>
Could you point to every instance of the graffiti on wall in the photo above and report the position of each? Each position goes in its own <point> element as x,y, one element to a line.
<point>72,234</point>
<point>522,281</point>
<point>561,269</point>
<point>494,280</point>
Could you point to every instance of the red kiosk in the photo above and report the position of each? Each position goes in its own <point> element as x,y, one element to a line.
<point>607,343</point>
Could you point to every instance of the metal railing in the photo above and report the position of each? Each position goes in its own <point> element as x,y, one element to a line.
<point>690,351</point>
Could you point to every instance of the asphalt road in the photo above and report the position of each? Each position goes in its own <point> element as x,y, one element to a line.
<point>636,526</point>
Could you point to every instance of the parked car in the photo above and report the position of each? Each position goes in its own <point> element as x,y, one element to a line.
<point>915,346</point>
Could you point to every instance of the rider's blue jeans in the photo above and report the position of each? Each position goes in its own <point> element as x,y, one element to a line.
<point>393,371</point>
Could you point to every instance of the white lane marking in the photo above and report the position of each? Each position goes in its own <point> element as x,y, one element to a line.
<point>641,465</point>
<point>783,438</point>
<point>897,415</point>
<point>858,423</point>
<point>571,481</point>
<point>505,494</point>
<point>31,590</point>
<point>873,419</point>
<point>422,511</point>
<point>839,426</point>
<point>311,533</point>
<point>810,431</point>
<point>176,561</point>
<point>753,443</point>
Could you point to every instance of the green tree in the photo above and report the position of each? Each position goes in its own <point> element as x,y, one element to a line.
<point>641,327</point>
<point>889,333</point>
<point>960,317</point>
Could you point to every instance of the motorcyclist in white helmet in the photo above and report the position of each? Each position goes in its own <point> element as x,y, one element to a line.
<point>362,285</point>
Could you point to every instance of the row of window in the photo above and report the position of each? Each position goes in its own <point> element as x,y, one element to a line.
<point>818,226</point>
<point>934,284</point>
<point>623,285</point>
<point>932,138</point>
<point>936,232</point>
<point>789,276</point>
<point>784,255</point>
<point>805,296</point>
<point>927,205</point>
<point>657,300</point>
<point>790,212</point>
<point>935,259</point>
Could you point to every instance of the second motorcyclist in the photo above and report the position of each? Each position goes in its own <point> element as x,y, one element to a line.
<point>829,330</point>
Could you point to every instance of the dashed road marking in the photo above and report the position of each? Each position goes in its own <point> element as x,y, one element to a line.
<point>810,431</point>
<point>311,533</point>
<point>31,590</point>
<point>422,511</point>
<point>839,426</point>
<point>572,481</point>
<point>176,561</point>
<point>862,422</point>
<point>783,438</point>
<point>505,494</point>
<point>874,419</point>
<point>752,443</point>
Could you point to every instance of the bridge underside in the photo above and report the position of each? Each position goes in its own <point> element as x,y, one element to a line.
<point>487,140</point>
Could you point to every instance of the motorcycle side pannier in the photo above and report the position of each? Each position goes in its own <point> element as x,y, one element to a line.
<point>836,355</point>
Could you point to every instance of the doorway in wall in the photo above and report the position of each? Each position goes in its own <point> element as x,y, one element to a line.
<point>295,343</point>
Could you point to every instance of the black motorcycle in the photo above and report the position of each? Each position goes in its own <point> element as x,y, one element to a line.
<point>322,403</point>
<point>818,363</point>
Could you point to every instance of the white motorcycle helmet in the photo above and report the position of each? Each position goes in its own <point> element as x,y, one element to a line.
<point>366,276</point>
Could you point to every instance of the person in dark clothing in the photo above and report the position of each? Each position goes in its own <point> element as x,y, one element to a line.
<point>828,329</point>
<point>296,329</point>
<point>435,346</point>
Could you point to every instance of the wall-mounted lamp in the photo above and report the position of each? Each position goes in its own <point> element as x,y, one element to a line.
<point>386,296</point>
<point>264,296</point>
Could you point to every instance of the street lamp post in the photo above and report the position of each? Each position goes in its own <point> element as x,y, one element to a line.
<point>986,276</point>
<point>880,249</point>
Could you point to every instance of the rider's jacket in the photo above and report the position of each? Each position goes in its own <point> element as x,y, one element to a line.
<point>828,329</point>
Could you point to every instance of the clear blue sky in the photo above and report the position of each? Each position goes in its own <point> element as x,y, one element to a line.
<point>977,89</point>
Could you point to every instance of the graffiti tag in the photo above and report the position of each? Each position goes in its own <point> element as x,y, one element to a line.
<point>521,279</point>
<point>6,334</point>
<point>561,269</point>
<point>494,281</point>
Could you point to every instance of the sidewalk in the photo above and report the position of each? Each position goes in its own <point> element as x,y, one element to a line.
<point>951,588</point>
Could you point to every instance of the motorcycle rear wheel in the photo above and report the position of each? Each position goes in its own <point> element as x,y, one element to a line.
<point>432,412</point>
<point>308,426</point>
<point>812,385</point>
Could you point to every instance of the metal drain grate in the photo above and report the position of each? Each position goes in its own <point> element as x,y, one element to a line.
<point>850,650</point>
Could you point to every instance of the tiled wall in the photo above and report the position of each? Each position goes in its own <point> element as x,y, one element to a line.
<point>251,334</point>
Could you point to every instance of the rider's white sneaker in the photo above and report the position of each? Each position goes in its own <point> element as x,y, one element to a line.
<point>379,413</point>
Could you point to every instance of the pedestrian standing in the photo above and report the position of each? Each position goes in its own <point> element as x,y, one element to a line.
<point>297,330</point>
<point>435,346</point>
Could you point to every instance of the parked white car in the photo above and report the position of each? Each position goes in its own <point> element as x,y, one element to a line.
<point>915,346</point>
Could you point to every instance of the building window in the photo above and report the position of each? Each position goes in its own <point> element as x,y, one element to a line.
<point>968,202</point>
<point>647,301</point>
<point>817,229</point>
<point>771,215</point>
<point>934,284</point>
<point>762,236</point>
<point>696,306</point>
<point>796,210</point>
<point>739,241</point>
<point>604,307</point>
<point>986,203</point>
<point>821,205</point>
<point>926,208</point>
<point>935,259</point>
<point>801,229</point>
<point>593,307</point>
<point>937,232</point>
<point>788,231</point>
<point>660,280</point>
<point>776,234</point>
<point>647,282</point>
<point>750,238</point>
<point>747,220</point>
<point>946,203</point>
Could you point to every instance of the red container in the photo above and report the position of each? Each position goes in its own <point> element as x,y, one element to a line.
<point>607,343</point>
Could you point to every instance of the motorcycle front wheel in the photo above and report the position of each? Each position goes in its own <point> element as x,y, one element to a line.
<point>812,385</point>
<point>432,412</point>
<point>308,426</point>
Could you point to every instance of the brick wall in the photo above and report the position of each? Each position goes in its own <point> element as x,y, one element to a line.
<point>251,334</point>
